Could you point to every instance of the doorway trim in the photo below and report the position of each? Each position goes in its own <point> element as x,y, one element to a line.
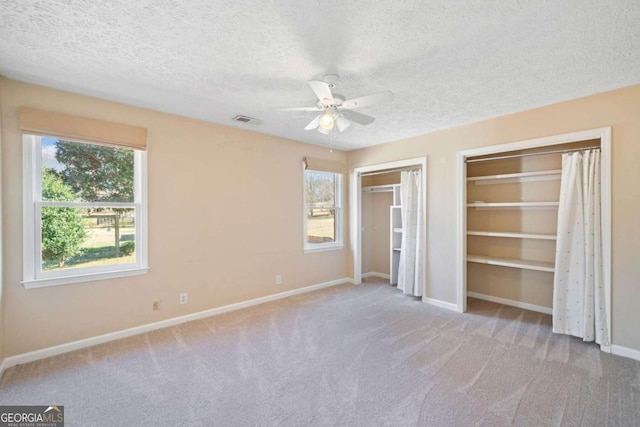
<point>604,135</point>
<point>355,216</point>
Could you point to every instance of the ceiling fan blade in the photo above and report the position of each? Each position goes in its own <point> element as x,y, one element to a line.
<point>314,123</point>
<point>359,118</point>
<point>322,91</point>
<point>342,123</point>
<point>365,101</point>
<point>300,109</point>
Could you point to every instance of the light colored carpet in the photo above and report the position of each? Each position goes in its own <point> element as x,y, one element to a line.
<point>343,356</point>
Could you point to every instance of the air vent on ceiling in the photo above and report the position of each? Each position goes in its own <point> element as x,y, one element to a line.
<point>246,119</point>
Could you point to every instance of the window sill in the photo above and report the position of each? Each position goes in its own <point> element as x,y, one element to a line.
<point>310,250</point>
<point>80,278</point>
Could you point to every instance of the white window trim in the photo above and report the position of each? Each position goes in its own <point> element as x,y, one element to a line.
<point>327,246</point>
<point>32,176</point>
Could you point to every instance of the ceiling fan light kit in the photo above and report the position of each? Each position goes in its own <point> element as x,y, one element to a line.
<point>327,120</point>
<point>335,110</point>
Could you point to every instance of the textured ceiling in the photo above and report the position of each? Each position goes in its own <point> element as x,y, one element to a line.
<point>448,62</point>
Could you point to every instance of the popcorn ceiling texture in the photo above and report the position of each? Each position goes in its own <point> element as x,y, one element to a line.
<point>449,63</point>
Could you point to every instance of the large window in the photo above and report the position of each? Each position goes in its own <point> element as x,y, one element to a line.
<point>84,211</point>
<point>323,216</point>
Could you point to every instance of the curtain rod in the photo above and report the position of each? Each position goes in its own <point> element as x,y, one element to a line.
<point>568,150</point>
<point>411,168</point>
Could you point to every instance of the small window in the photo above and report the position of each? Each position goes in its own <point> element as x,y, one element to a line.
<point>323,215</point>
<point>84,213</point>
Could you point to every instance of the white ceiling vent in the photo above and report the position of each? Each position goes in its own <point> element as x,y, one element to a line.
<point>246,119</point>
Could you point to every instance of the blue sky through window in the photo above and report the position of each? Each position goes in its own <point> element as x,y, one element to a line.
<point>49,154</point>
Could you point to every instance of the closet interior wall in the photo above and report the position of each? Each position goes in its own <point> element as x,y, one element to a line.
<point>523,285</point>
<point>375,223</point>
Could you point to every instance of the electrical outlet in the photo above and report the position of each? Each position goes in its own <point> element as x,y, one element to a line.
<point>156,304</point>
<point>278,280</point>
<point>183,298</point>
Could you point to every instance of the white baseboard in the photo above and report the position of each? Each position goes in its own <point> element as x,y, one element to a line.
<point>613,348</point>
<point>519,304</point>
<point>440,303</point>
<point>625,352</point>
<point>88,342</point>
<point>375,274</point>
<point>605,348</point>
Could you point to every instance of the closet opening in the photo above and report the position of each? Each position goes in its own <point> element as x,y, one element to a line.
<point>376,230</point>
<point>381,228</point>
<point>508,212</point>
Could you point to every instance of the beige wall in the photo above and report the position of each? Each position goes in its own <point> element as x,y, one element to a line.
<point>367,232</point>
<point>382,179</point>
<point>225,216</point>
<point>381,231</point>
<point>618,109</point>
<point>375,232</point>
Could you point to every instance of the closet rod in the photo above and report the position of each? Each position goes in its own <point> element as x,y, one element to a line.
<point>390,171</point>
<point>569,150</point>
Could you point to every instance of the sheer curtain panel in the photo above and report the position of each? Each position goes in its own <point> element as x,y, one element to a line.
<point>411,267</point>
<point>578,289</point>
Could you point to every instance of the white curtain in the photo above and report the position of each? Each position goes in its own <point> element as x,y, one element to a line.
<point>578,289</point>
<point>411,267</point>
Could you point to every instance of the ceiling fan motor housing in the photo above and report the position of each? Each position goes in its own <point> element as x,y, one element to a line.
<point>326,103</point>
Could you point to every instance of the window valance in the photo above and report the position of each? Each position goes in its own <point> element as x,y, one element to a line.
<point>48,123</point>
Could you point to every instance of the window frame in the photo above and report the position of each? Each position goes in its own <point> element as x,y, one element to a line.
<point>33,275</point>
<point>339,220</point>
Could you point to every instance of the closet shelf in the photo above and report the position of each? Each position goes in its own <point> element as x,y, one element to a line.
<point>378,189</point>
<point>511,262</point>
<point>397,230</point>
<point>516,205</point>
<point>547,175</point>
<point>516,235</point>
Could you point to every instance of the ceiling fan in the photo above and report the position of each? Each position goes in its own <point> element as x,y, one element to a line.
<point>335,110</point>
